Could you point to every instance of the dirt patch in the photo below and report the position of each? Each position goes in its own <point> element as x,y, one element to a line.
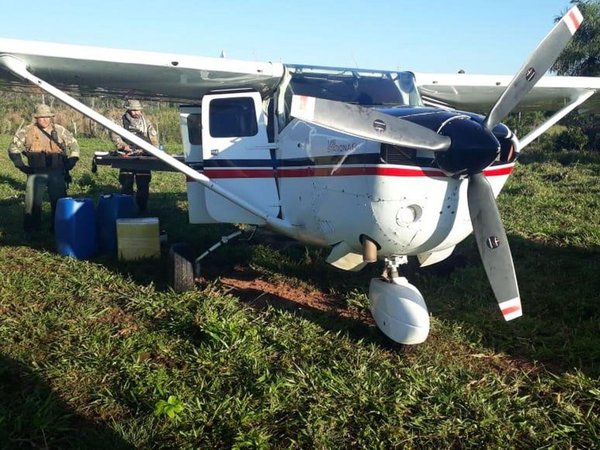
<point>258,292</point>
<point>125,322</point>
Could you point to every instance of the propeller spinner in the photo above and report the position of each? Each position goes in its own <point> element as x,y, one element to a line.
<point>462,146</point>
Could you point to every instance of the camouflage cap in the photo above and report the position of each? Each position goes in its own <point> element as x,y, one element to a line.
<point>43,111</point>
<point>134,105</point>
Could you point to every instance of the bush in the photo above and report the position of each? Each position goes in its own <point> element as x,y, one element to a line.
<point>571,139</point>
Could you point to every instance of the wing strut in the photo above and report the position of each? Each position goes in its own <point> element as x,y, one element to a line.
<point>19,68</point>
<point>532,135</point>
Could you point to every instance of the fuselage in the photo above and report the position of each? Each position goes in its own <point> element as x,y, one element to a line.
<point>336,187</point>
<point>342,187</point>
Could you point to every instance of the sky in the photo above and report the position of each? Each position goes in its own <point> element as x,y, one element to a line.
<point>477,36</point>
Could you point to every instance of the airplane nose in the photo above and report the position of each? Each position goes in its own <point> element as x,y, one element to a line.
<point>473,147</point>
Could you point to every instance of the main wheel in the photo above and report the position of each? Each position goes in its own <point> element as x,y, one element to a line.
<point>181,267</point>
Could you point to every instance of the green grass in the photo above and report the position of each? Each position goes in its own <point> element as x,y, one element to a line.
<point>91,352</point>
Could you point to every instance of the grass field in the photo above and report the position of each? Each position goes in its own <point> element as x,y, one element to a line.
<point>101,354</point>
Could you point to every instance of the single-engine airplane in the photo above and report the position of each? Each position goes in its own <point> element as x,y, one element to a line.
<point>376,165</point>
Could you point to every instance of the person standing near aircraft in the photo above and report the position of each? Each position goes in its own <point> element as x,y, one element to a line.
<point>51,152</point>
<point>134,121</point>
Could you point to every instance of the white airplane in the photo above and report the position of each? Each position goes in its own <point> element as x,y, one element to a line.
<point>346,158</point>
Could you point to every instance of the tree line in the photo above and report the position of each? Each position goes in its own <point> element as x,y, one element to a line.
<point>581,58</point>
<point>16,108</point>
<point>579,130</point>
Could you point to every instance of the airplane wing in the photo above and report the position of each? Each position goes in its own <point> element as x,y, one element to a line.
<point>478,93</point>
<point>137,74</point>
<point>175,77</point>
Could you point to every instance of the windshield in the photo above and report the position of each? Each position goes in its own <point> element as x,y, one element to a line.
<point>357,87</point>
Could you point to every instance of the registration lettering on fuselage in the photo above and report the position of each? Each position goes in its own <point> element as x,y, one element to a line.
<point>337,146</point>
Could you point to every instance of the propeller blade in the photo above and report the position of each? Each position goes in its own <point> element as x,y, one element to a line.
<point>536,66</point>
<point>367,123</point>
<point>493,245</point>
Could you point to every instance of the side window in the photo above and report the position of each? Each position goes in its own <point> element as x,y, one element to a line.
<point>194,126</point>
<point>232,117</point>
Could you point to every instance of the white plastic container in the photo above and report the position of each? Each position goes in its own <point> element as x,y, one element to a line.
<point>138,238</point>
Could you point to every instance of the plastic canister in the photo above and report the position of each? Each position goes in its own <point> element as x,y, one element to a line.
<point>138,238</point>
<point>110,208</point>
<point>75,227</point>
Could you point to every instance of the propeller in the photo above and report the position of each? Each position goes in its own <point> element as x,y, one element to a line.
<point>366,123</point>
<point>462,146</point>
<point>490,235</point>
<point>536,66</point>
<point>493,247</point>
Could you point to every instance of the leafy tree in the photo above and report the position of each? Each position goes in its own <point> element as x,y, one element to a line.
<point>581,57</point>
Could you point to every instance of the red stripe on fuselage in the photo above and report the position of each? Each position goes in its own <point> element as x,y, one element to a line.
<point>239,173</point>
<point>405,172</point>
<point>304,172</point>
<point>354,171</point>
<point>506,170</point>
<point>385,171</point>
<point>234,174</point>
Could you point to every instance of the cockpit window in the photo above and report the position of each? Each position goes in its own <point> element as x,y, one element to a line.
<point>406,83</point>
<point>359,87</point>
<point>365,89</point>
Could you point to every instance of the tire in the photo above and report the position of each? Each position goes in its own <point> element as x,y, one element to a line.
<point>181,267</point>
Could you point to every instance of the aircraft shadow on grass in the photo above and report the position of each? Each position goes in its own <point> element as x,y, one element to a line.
<point>557,333</point>
<point>558,285</point>
<point>13,183</point>
<point>33,416</point>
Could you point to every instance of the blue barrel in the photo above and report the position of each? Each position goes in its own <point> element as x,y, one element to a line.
<point>110,208</point>
<point>75,227</point>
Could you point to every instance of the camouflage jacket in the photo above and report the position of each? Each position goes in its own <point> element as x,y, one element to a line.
<point>41,151</point>
<point>141,127</point>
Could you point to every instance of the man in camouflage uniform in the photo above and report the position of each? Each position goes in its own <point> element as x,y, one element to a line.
<point>51,151</point>
<point>135,122</point>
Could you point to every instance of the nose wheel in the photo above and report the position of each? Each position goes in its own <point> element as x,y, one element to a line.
<point>397,306</point>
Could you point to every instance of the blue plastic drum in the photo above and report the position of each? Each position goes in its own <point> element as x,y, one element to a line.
<point>110,208</point>
<point>75,227</point>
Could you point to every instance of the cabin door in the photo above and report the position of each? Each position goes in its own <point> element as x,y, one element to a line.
<point>237,155</point>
